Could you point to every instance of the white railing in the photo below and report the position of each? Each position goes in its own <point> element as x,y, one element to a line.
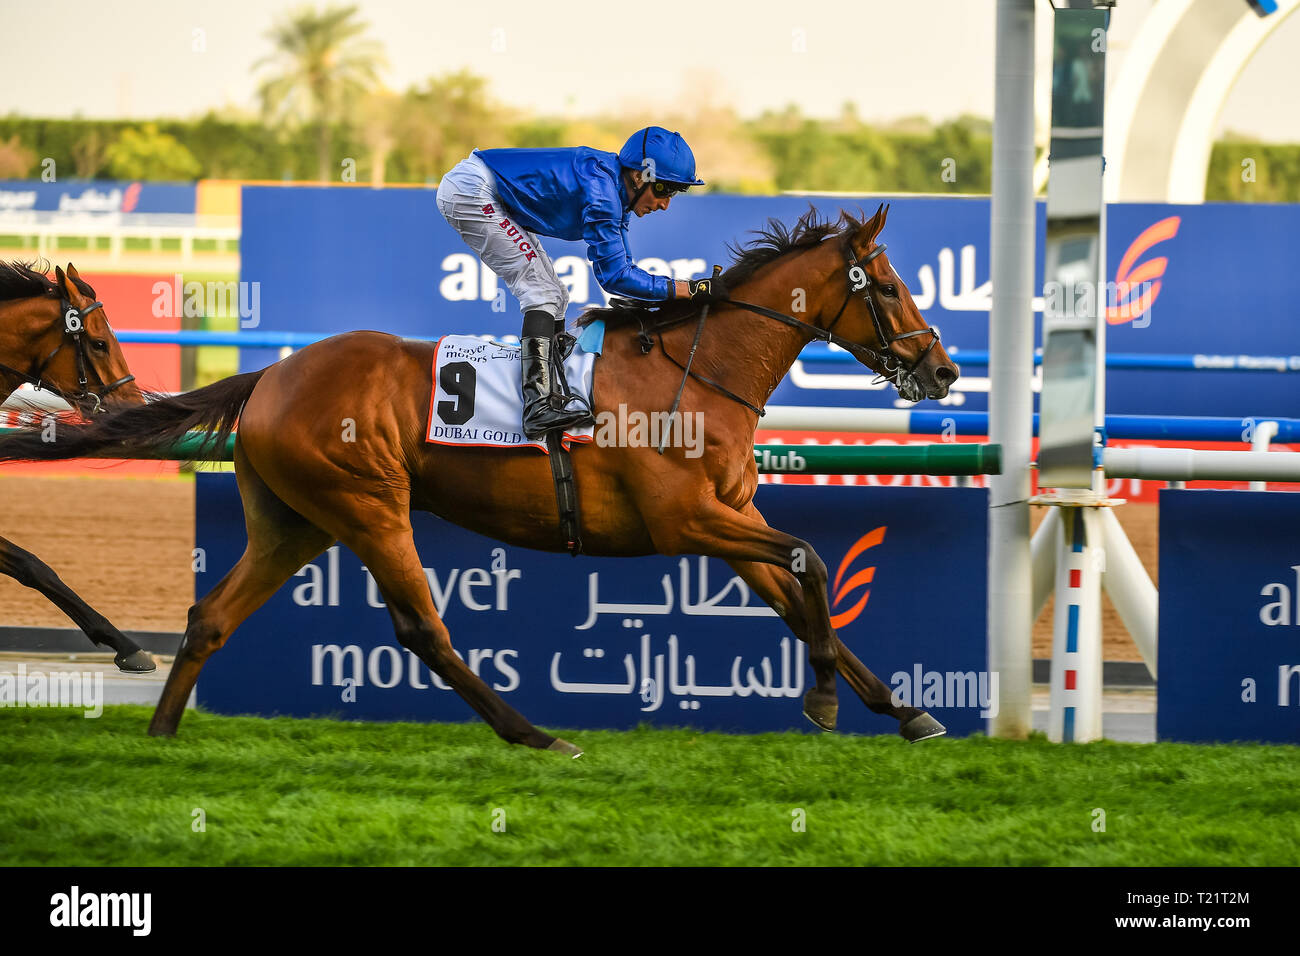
<point>48,227</point>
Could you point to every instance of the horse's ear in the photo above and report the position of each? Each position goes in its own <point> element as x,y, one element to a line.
<point>69,284</point>
<point>871,228</point>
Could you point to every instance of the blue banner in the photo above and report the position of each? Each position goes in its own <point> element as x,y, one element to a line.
<point>333,259</point>
<point>603,642</point>
<point>1229,616</point>
<point>96,197</point>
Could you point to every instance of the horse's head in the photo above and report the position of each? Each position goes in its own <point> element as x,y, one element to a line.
<point>878,314</point>
<point>67,344</point>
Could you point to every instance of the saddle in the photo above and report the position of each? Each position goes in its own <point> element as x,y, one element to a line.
<point>476,399</point>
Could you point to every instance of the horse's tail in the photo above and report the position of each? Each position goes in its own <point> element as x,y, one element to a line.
<point>149,431</point>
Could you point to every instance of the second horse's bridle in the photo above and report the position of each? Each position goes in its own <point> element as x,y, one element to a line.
<point>74,333</point>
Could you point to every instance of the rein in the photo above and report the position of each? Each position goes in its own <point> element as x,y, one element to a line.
<point>74,330</point>
<point>893,369</point>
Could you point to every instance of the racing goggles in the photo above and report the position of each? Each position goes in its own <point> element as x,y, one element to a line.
<point>662,189</point>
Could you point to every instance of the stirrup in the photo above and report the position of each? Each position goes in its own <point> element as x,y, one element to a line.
<point>561,401</point>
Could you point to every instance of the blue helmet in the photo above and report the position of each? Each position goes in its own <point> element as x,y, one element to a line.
<point>663,154</point>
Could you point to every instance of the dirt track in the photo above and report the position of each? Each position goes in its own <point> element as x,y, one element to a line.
<point>124,544</point>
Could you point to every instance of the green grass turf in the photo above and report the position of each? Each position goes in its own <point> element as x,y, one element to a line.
<point>286,791</point>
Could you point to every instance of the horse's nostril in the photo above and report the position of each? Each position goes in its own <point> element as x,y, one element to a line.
<point>945,375</point>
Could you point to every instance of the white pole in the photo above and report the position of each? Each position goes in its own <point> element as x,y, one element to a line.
<point>1011,369</point>
<point>1075,715</point>
<point>1265,432</point>
<point>813,418</point>
<point>1193,464</point>
<point>1043,556</point>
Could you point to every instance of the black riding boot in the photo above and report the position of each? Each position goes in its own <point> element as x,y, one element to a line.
<point>544,408</point>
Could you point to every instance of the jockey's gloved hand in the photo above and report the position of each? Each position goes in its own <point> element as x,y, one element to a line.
<point>711,289</point>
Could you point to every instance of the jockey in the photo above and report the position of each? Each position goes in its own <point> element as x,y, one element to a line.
<point>502,200</point>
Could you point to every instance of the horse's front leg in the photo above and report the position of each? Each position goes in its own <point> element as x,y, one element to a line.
<point>783,594</point>
<point>722,532</point>
<point>30,571</point>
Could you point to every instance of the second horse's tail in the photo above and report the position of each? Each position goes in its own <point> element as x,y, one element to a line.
<point>150,430</point>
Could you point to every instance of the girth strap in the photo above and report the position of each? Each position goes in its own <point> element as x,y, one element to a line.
<point>566,489</point>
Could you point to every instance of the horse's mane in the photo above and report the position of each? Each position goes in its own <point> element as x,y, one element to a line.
<point>773,242</point>
<point>27,280</point>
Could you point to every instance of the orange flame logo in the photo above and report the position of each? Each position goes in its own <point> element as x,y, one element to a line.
<point>861,579</point>
<point>1147,272</point>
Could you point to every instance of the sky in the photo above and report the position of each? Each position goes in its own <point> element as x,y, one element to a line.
<point>890,58</point>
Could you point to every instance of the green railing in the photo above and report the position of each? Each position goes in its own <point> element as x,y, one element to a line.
<point>952,458</point>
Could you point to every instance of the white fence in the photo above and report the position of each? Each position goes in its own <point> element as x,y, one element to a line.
<point>48,227</point>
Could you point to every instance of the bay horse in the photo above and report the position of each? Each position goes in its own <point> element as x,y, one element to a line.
<point>304,485</point>
<point>55,334</point>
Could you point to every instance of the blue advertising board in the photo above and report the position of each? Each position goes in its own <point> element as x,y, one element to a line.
<point>603,642</point>
<point>334,259</point>
<point>1229,616</point>
<point>95,197</point>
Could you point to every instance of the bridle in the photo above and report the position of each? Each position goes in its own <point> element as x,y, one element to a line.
<point>890,360</point>
<point>888,364</point>
<point>74,333</point>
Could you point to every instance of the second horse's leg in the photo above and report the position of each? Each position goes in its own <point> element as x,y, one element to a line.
<point>30,571</point>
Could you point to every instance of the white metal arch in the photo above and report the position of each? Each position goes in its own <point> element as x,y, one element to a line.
<point>1161,113</point>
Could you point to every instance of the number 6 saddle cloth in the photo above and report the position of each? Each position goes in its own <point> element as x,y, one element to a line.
<point>478,397</point>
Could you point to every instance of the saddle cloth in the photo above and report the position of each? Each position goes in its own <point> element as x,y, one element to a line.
<point>478,396</point>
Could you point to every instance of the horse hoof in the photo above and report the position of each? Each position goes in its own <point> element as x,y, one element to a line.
<point>922,727</point>
<point>564,747</point>
<point>137,662</point>
<point>821,711</point>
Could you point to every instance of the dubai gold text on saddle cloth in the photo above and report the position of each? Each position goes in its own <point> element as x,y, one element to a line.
<point>477,398</point>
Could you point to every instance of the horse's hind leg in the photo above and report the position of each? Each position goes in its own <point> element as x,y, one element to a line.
<point>280,541</point>
<point>30,571</point>
<point>783,593</point>
<point>390,555</point>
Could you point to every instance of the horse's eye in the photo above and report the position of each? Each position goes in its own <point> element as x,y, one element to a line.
<point>99,345</point>
<point>890,290</point>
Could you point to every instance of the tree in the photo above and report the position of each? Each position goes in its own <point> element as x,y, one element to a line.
<point>379,112</point>
<point>15,159</point>
<point>88,154</point>
<point>321,67</point>
<point>438,124</point>
<point>146,153</point>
